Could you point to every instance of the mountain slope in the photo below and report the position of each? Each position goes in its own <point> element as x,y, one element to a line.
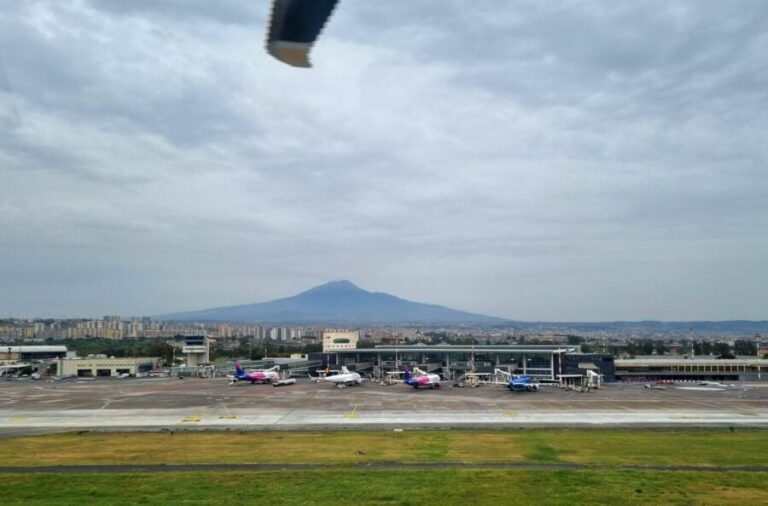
<point>338,301</point>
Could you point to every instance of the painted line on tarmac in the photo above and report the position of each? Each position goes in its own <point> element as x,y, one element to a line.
<point>228,415</point>
<point>505,412</point>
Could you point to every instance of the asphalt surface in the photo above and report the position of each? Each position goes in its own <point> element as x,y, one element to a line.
<point>35,407</point>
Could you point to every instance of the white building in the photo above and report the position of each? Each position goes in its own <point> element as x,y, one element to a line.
<point>335,341</point>
<point>105,366</point>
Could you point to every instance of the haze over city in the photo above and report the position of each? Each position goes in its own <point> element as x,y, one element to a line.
<point>565,161</point>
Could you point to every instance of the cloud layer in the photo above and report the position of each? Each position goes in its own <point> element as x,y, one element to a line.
<point>536,160</point>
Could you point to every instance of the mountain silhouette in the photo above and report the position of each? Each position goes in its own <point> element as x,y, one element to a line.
<point>337,301</point>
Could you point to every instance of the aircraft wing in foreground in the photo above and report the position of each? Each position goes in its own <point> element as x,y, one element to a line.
<point>294,26</point>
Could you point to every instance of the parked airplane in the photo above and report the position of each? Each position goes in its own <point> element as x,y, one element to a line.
<point>425,380</point>
<point>522,384</point>
<point>345,378</point>
<point>262,376</point>
<point>294,25</point>
<point>716,384</point>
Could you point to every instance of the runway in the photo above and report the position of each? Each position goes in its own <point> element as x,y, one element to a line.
<point>33,407</point>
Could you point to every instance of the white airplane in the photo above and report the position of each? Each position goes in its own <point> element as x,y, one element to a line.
<point>715,384</point>
<point>345,378</point>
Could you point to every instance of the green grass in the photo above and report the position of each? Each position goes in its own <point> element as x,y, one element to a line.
<point>341,487</point>
<point>591,447</point>
<point>342,483</point>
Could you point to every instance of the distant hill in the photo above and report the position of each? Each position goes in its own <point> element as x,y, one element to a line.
<point>338,301</point>
<point>711,328</point>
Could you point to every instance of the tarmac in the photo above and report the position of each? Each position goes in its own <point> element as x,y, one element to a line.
<point>170,404</point>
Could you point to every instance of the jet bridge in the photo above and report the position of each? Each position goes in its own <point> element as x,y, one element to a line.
<point>419,372</point>
<point>502,377</point>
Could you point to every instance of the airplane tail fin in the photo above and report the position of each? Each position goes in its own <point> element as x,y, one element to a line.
<point>408,374</point>
<point>238,370</point>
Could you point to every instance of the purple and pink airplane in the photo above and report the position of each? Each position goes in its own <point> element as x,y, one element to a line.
<point>261,376</point>
<point>425,380</point>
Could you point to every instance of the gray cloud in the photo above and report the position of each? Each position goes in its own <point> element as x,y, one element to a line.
<point>558,160</point>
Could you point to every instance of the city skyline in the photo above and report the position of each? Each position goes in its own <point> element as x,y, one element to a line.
<point>599,161</point>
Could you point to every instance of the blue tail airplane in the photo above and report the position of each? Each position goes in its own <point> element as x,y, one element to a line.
<point>522,384</point>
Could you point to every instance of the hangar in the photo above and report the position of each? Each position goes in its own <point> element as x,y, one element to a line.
<point>105,366</point>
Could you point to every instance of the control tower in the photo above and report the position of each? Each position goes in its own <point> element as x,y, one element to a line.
<point>196,348</point>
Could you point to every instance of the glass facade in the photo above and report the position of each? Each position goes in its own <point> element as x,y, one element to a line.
<point>539,361</point>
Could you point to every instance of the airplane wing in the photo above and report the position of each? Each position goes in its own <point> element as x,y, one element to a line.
<point>294,26</point>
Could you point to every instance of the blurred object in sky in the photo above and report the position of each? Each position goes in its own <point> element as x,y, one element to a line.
<point>294,26</point>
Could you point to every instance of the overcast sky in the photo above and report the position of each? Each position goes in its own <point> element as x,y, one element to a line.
<point>558,160</point>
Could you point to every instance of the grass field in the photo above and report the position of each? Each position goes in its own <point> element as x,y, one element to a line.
<point>598,447</point>
<point>354,486</point>
<point>342,482</point>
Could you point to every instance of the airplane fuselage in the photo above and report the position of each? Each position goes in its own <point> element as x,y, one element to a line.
<point>424,381</point>
<point>259,377</point>
<point>522,384</point>
<point>345,379</point>
<point>263,376</point>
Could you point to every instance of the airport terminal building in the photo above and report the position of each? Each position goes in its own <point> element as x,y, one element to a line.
<point>677,368</point>
<point>545,362</point>
<point>32,352</point>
